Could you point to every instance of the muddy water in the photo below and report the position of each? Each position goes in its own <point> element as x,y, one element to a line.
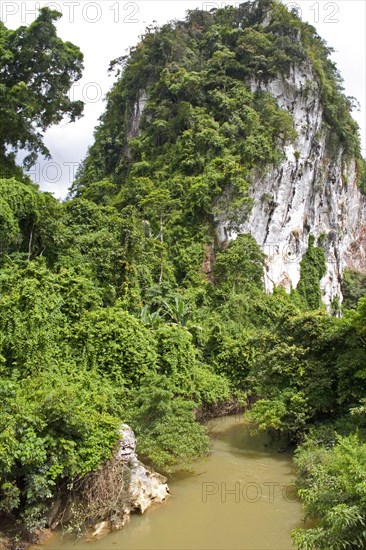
<point>241,497</point>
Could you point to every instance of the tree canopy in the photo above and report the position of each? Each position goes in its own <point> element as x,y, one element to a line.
<point>37,70</point>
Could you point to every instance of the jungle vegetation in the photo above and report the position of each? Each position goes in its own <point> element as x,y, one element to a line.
<point>119,305</point>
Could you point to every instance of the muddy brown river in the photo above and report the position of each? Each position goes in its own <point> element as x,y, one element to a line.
<point>240,497</point>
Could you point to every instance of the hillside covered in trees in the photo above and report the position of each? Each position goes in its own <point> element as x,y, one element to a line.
<point>119,304</point>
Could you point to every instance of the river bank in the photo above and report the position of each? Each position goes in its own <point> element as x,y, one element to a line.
<point>101,502</point>
<point>241,497</point>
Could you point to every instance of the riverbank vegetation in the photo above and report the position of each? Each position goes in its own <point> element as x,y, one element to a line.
<point>119,305</point>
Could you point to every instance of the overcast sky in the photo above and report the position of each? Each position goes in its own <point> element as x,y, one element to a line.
<point>106,29</point>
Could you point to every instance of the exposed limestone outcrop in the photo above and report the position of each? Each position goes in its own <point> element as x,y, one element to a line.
<point>106,498</point>
<point>146,487</point>
<point>308,193</point>
<point>134,121</point>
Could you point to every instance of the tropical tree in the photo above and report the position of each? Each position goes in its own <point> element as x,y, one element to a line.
<point>37,70</point>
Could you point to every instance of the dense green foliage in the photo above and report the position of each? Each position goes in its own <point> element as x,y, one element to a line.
<point>37,70</point>
<point>119,304</point>
<point>312,269</point>
<point>332,486</point>
<point>196,74</point>
<point>165,424</point>
<point>353,288</point>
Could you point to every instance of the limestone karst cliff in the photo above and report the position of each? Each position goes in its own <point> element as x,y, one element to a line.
<point>308,193</point>
<point>299,184</point>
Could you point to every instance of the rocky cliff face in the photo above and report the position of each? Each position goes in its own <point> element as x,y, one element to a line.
<point>134,121</point>
<point>311,192</point>
<point>308,193</point>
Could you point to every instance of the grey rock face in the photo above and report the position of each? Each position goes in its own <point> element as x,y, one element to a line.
<point>134,122</point>
<point>307,194</point>
<point>127,446</point>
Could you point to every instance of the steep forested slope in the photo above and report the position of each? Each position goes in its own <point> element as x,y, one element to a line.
<point>240,117</point>
<point>121,303</point>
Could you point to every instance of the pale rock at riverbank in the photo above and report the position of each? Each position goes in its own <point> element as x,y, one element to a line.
<point>146,487</point>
